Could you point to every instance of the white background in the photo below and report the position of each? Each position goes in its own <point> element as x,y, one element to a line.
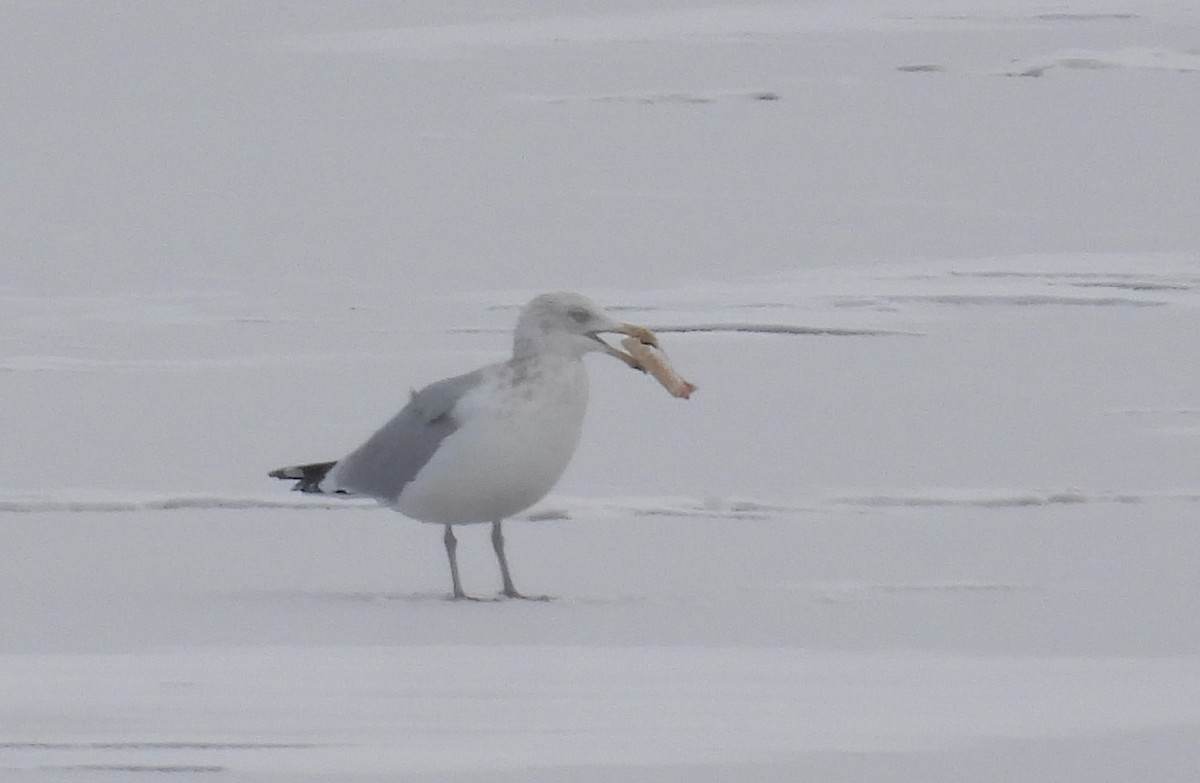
<point>943,529</point>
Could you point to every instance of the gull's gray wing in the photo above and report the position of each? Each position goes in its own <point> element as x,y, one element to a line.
<point>383,466</point>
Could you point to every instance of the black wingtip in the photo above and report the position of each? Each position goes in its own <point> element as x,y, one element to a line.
<point>308,478</point>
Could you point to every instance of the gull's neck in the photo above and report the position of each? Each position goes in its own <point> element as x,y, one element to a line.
<point>535,348</point>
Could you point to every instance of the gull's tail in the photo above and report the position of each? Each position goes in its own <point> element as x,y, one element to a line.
<point>308,478</point>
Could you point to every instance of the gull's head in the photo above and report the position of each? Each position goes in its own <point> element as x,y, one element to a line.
<point>571,325</point>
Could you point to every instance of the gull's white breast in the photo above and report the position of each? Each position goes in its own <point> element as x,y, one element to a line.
<point>515,440</point>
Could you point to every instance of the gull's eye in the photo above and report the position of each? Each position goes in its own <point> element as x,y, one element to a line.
<point>579,315</point>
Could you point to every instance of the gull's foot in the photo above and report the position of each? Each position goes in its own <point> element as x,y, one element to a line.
<point>523,597</point>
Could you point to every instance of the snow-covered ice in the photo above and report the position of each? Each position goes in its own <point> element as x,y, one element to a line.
<point>931,517</point>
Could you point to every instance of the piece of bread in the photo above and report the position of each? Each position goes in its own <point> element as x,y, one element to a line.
<point>654,361</point>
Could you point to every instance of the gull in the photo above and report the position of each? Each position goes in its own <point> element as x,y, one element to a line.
<point>480,447</point>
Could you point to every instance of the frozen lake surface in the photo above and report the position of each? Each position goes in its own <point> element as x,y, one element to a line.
<point>931,516</point>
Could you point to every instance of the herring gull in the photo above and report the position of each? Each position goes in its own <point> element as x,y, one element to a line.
<point>481,447</point>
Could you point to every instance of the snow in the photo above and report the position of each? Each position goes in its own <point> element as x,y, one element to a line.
<point>930,517</point>
<point>1163,59</point>
<point>355,712</point>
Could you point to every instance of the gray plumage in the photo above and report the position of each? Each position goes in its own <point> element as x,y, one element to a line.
<point>391,458</point>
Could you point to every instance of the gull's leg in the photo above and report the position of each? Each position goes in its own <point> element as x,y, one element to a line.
<point>498,545</point>
<point>509,590</point>
<point>451,550</point>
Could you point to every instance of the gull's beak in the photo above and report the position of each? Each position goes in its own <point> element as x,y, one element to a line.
<point>639,333</point>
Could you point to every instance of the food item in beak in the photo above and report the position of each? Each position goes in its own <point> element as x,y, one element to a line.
<point>654,361</point>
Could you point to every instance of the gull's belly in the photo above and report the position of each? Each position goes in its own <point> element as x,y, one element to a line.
<point>496,465</point>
